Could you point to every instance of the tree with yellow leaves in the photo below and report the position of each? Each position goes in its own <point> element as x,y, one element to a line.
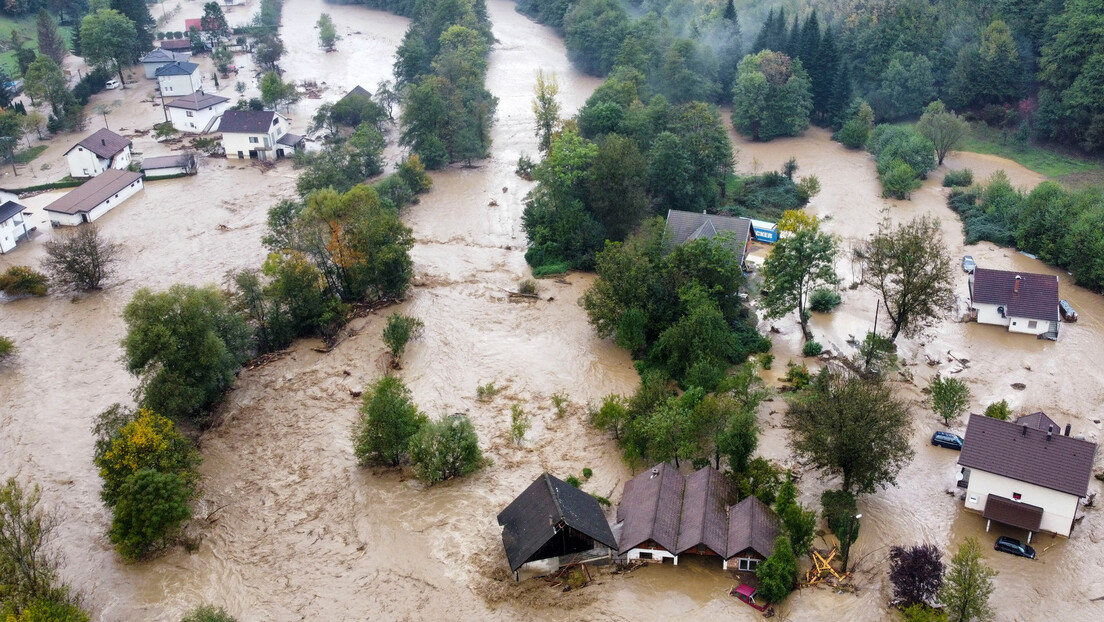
<point>131,441</point>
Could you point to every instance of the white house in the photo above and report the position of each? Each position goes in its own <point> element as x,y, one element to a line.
<point>196,112</point>
<point>13,226</point>
<point>94,198</point>
<point>1022,301</point>
<point>96,153</point>
<point>178,78</point>
<point>158,58</point>
<point>257,134</point>
<point>167,166</point>
<point>1026,474</point>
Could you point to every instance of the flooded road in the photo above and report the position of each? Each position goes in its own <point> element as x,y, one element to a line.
<point>290,528</point>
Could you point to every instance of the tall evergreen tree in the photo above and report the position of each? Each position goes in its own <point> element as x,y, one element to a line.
<point>138,12</point>
<point>50,41</point>
<point>762,40</point>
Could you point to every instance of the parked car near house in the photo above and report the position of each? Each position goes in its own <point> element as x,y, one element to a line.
<point>1015,547</point>
<point>948,440</point>
<point>968,264</point>
<point>112,84</point>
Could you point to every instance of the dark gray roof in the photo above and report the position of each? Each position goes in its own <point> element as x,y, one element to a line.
<point>87,196</point>
<point>104,143</point>
<point>650,508</point>
<point>176,44</point>
<point>752,525</point>
<point>159,55</point>
<point>358,91</point>
<point>704,519</point>
<point>9,209</point>
<point>1023,453</point>
<point>1038,420</point>
<point>1036,299</point>
<point>688,226</point>
<point>169,161</point>
<point>246,121</point>
<point>176,68</point>
<point>1009,512</point>
<point>290,139</point>
<point>542,511</point>
<point>196,101</point>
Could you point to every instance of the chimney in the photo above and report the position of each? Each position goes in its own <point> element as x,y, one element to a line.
<point>103,141</point>
<point>1023,430</point>
<point>1067,429</point>
<point>655,472</point>
<point>1016,290</point>
<point>1050,431</point>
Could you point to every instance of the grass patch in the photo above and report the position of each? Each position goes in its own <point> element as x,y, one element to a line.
<point>551,269</point>
<point>1039,159</point>
<point>28,27</point>
<point>27,155</point>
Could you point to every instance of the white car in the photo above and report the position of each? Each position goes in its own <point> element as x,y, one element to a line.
<point>112,84</point>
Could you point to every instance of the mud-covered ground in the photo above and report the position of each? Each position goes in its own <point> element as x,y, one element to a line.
<point>291,529</point>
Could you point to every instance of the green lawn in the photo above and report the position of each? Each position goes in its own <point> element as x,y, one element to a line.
<point>1053,164</point>
<point>28,27</point>
<point>27,155</point>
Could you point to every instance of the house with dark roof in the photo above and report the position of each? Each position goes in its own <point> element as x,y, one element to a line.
<point>176,45</point>
<point>552,519</point>
<point>98,152</point>
<point>178,78</point>
<point>685,227</point>
<point>169,166</point>
<point>94,198</point>
<point>1027,474</point>
<point>1022,301</point>
<point>13,225</point>
<point>158,58</point>
<point>257,134</point>
<point>196,112</point>
<point>664,514</point>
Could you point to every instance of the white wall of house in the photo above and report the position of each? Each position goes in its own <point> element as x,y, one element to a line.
<point>1028,325</point>
<point>1059,508</point>
<point>987,314</point>
<point>10,230</point>
<point>178,86</point>
<point>164,172</point>
<point>151,69</point>
<point>655,555</point>
<point>84,163</point>
<point>239,145</point>
<point>195,120</point>
<point>106,206</point>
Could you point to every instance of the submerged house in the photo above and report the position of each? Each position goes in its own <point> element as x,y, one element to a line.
<point>158,58</point>
<point>1022,301</point>
<point>196,112</point>
<point>665,514</point>
<point>685,227</point>
<point>1026,474</point>
<point>94,198</point>
<point>257,134</point>
<point>178,78</point>
<point>553,519</point>
<point>97,152</point>
<point>13,225</point>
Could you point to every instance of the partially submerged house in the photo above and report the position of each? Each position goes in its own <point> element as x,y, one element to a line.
<point>178,78</point>
<point>94,198</point>
<point>98,152</point>
<point>1026,474</point>
<point>196,112</point>
<point>665,514</point>
<point>553,519</point>
<point>685,227</point>
<point>170,165</point>
<point>1022,301</point>
<point>13,225</point>
<point>257,134</point>
<point>158,58</point>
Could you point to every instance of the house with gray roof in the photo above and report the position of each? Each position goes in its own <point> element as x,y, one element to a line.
<point>196,112</point>
<point>1022,301</point>
<point>683,227</point>
<point>257,134</point>
<point>178,78</point>
<point>552,519</point>
<point>664,514</point>
<point>13,225</point>
<point>158,58</point>
<point>98,152</point>
<point>1027,474</point>
<point>94,198</point>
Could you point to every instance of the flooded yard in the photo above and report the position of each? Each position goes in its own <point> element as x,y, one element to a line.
<point>290,528</point>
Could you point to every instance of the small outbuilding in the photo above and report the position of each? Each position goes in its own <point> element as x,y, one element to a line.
<point>176,45</point>
<point>13,225</point>
<point>94,198</point>
<point>196,112</point>
<point>97,153</point>
<point>553,519</point>
<point>1022,301</point>
<point>178,78</point>
<point>169,166</point>
<point>158,58</point>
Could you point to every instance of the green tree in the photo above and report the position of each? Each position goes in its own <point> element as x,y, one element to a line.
<point>108,40</point>
<point>909,268</point>
<point>149,511</point>
<point>214,22</point>
<point>137,11</point>
<point>615,186</point>
<point>44,82</point>
<point>771,97</point>
<point>968,585</point>
<point>907,85</point>
<point>798,265</point>
<point>129,442</point>
<point>1071,76</point>
<point>50,41</point>
<point>327,33</point>
<point>207,613</point>
<point>943,128</point>
<point>594,31</point>
<point>275,92</point>
<point>185,346</point>
<point>799,524</point>
<point>82,259</point>
<point>778,572</point>
<point>445,448</point>
<point>841,514</point>
<point>546,108</point>
<point>999,410</point>
<point>949,397</point>
<point>398,331</point>
<point>389,419</point>
<point>851,426</point>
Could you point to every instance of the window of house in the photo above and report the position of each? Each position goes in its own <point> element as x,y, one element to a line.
<point>748,564</point>
<point>1016,496</point>
<point>189,113</point>
<point>645,556</point>
<point>1032,324</point>
<point>254,139</point>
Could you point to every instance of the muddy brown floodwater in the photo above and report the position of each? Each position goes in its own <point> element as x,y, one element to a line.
<point>291,529</point>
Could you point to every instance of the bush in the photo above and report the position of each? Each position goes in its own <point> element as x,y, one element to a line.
<point>485,392</point>
<point>574,481</point>
<point>399,330</point>
<point>23,281</point>
<point>81,259</point>
<point>778,572</point>
<point>7,348</point>
<point>853,134</point>
<point>527,287</point>
<point>389,419</point>
<point>824,300</point>
<point>208,613</point>
<point>811,348</point>
<point>444,449</point>
<point>551,269</point>
<point>129,442</point>
<point>798,375</point>
<point>519,423</point>
<point>964,177</point>
<point>899,180</point>
<point>560,402</point>
<point>150,508</point>
<point>766,360</point>
<point>922,613</point>
<point>999,410</point>
<point>587,473</point>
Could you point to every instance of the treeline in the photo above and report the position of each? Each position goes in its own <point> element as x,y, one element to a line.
<point>1062,227</point>
<point>440,68</point>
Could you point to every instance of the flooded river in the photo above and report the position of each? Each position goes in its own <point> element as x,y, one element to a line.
<point>290,528</point>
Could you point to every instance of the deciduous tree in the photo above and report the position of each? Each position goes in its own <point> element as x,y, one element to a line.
<point>916,573</point>
<point>389,419</point>
<point>949,397</point>
<point>772,96</point>
<point>942,127</point>
<point>399,330</point>
<point>798,264</point>
<point>327,33</point>
<point>968,585</point>
<point>546,108</point>
<point>108,40</point>
<point>82,259</point>
<point>44,82</point>
<point>150,509</point>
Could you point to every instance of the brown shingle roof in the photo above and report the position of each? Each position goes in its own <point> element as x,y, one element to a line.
<point>169,161</point>
<point>1037,298</point>
<point>1014,513</point>
<point>1039,421</point>
<point>752,525</point>
<point>196,101</point>
<point>704,519</point>
<point>1023,453</point>
<point>104,143</point>
<point>650,508</point>
<point>87,196</point>
<point>687,226</point>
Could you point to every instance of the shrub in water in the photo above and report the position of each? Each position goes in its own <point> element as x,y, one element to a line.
<point>824,300</point>
<point>812,348</point>
<point>964,177</point>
